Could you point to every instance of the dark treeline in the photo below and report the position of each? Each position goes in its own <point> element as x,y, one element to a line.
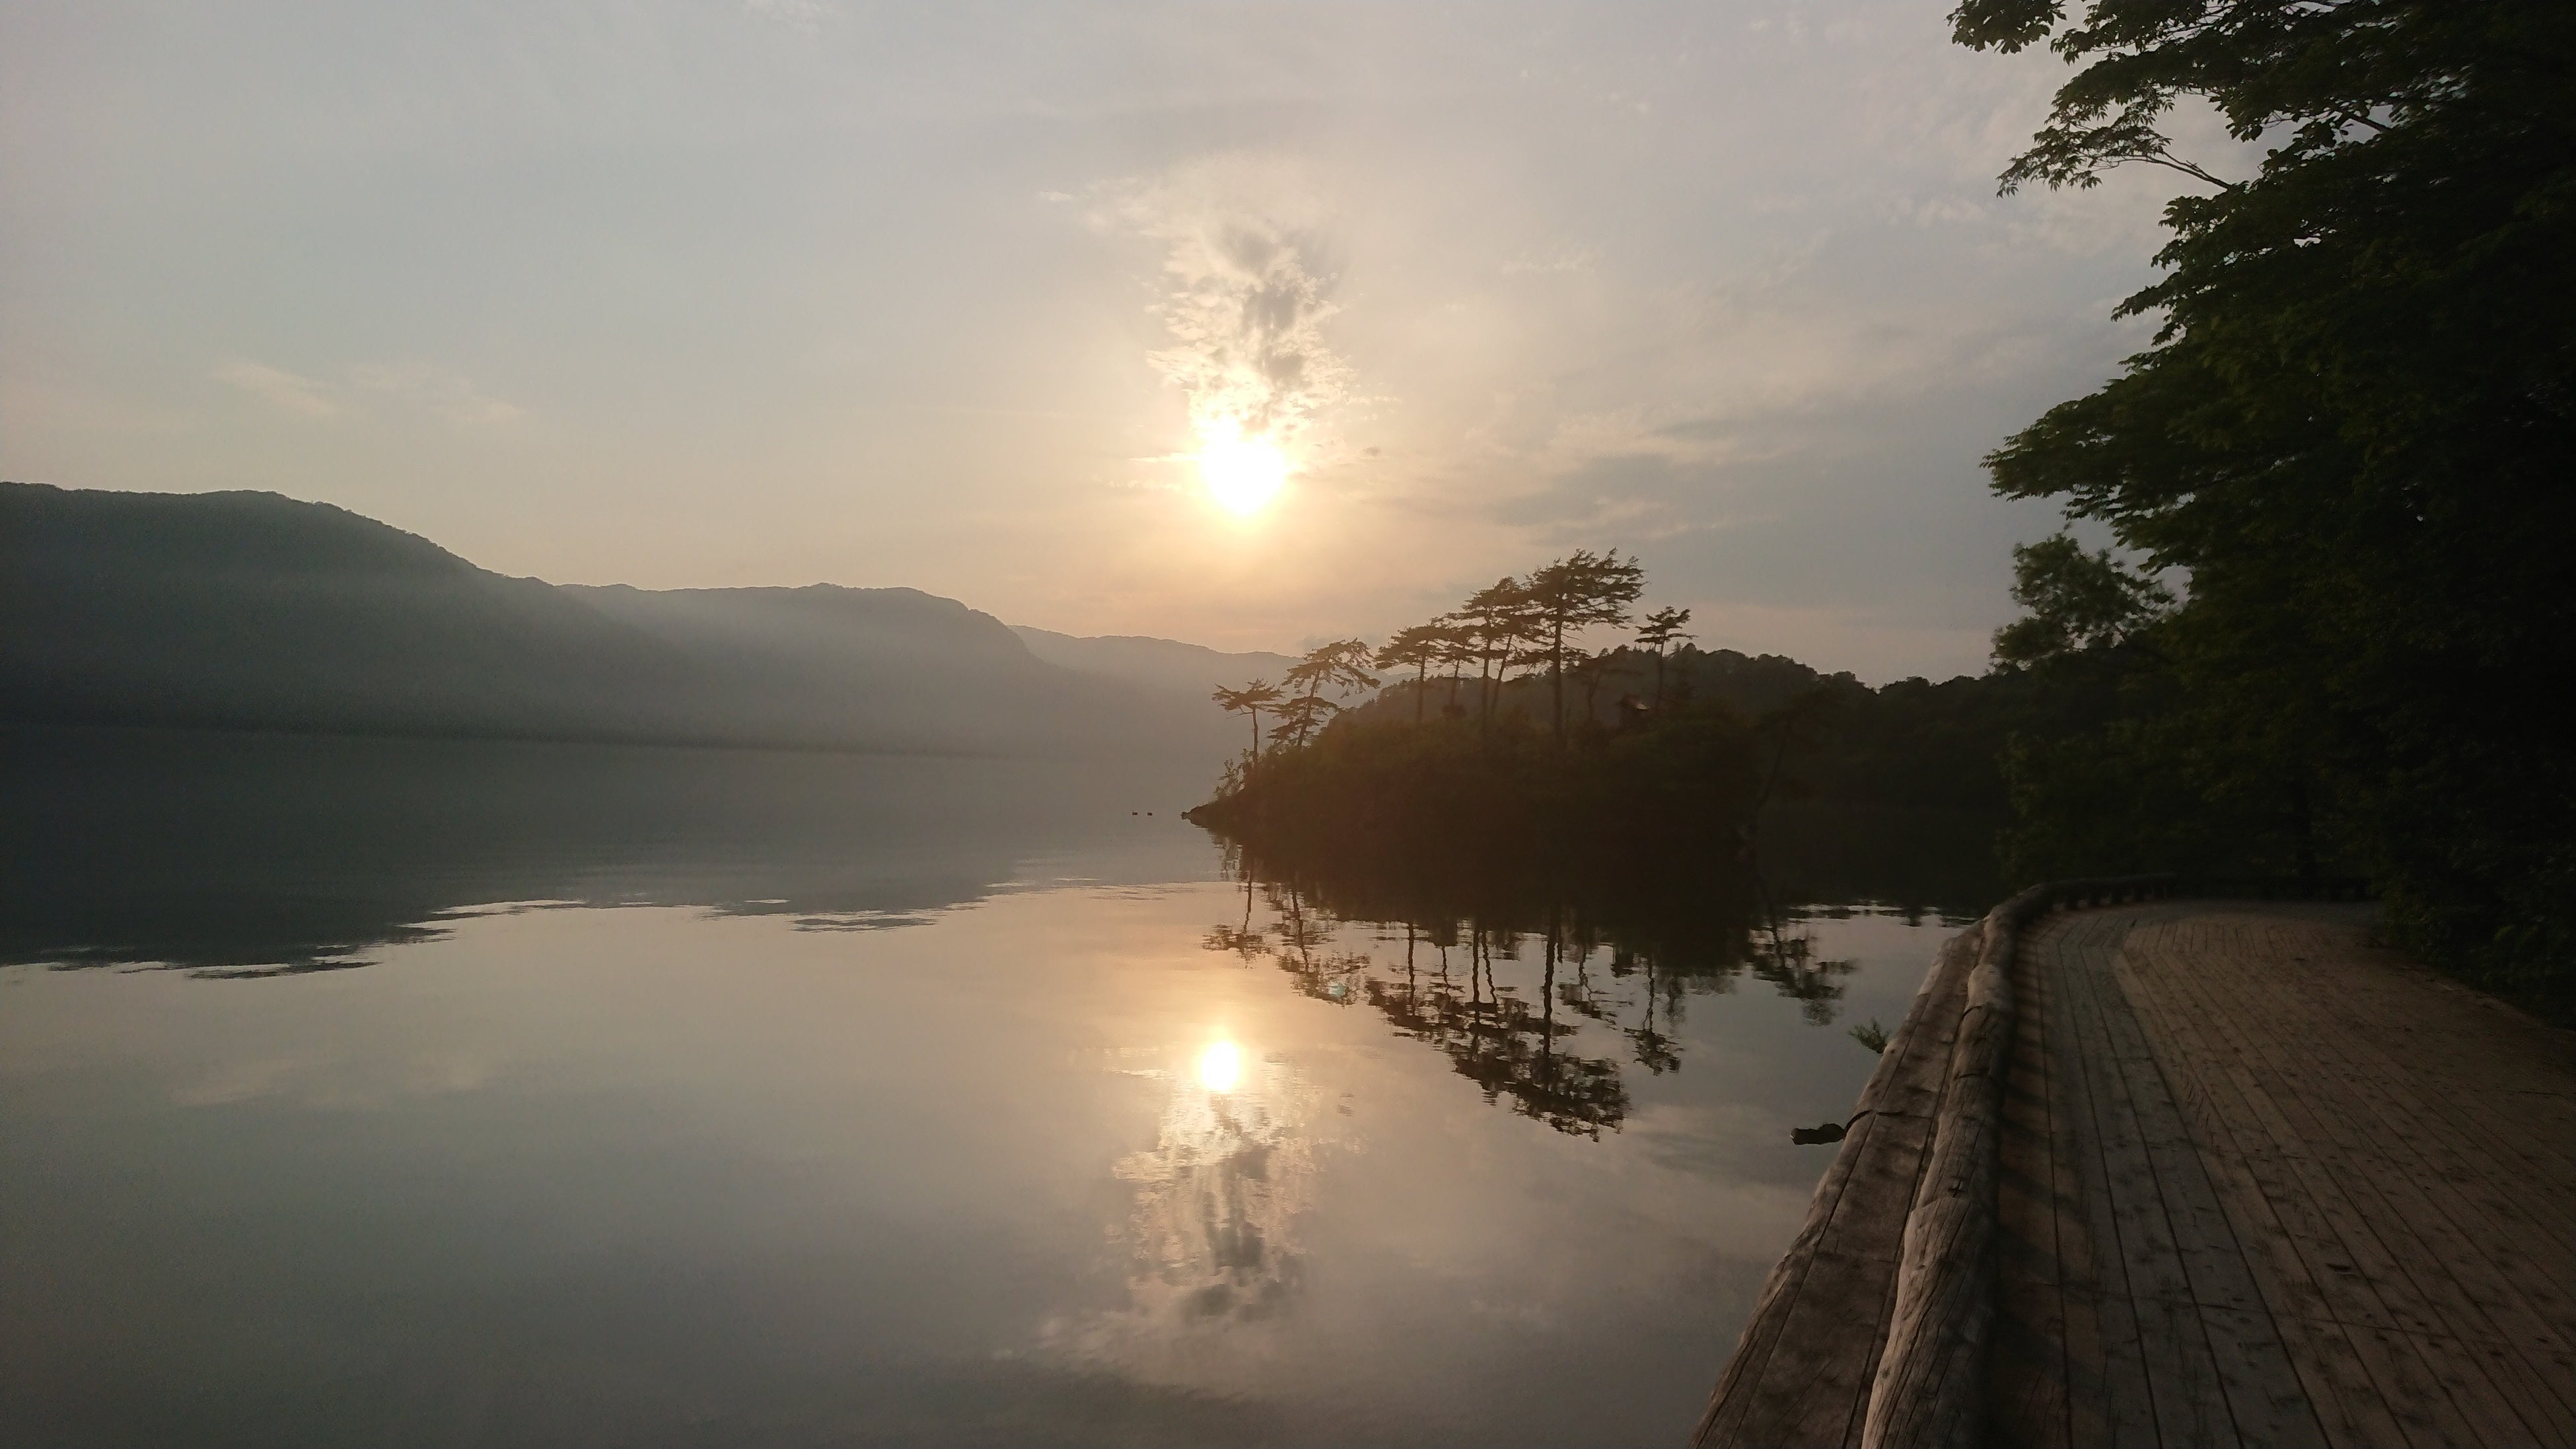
<point>1454,761</point>
<point>2341,474</point>
<point>1548,723</point>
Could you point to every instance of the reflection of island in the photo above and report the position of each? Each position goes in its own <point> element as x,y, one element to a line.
<point>249,854</point>
<point>1501,976</point>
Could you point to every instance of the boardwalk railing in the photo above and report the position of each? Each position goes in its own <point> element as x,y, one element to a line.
<point>1872,1329</point>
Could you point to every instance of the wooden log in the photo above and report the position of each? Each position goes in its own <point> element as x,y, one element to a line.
<point>1801,1372</point>
<point>1800,1368</point>
<point>1930,1384</point>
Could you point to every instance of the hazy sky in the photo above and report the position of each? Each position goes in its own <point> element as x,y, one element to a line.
<point>706,292</point>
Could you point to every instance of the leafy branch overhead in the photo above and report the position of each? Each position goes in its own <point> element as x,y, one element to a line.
<point>2313,75</point>
<point>2353,434</point>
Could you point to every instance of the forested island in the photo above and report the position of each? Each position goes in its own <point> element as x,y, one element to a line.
<point>1552,723</point>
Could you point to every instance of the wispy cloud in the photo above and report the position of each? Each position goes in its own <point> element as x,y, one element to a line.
<point>1547,260</point>
<point>409,385</point>
<point>1244,297</point>
<point>444,394</point>
<point>279,388</point>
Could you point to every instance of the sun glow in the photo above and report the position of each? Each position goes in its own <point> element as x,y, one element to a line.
<point>1221,1067</point>
<point>1242,473</point>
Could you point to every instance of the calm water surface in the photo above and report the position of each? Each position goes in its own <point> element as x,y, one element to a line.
<point>416,1094</point>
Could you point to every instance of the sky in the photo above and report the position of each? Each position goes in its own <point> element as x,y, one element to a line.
<point>955,296</point>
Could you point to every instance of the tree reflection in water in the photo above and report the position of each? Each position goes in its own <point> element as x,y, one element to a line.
<point>1625,958</point>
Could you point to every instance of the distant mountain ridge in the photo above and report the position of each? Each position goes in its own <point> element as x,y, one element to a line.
<point>252,610</point>
<point>1155,663</point>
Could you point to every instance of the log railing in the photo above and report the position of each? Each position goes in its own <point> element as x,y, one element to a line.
<point>1872,1328</point>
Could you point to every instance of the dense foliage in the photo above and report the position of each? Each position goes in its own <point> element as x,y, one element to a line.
<point>2353,437</point>
<point>1505,795</point>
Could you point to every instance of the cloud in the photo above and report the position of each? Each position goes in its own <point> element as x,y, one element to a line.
<point>280,388</point>
<point>445,394</point>
<point>416,386</point>
<point>1548,260</point>
<point>1244,297</point>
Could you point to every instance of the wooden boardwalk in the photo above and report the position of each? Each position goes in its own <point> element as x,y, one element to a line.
<point>2254,1182</point>
<point>2263,1184</point>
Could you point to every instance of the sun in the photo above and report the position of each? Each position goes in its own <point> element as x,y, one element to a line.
<point>1221,1067</point>
<point>1242,474</point>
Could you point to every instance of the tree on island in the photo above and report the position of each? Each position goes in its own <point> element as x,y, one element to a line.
<point>1457,649</point>
<point>1300,716</point>
<point>1661,628</point>
<point>1251,699</point>
<point>1340,666</point>
<point>1592,670</point>
<point>1420,646</point>
<point>1577,591</point>
<point>1498,620</point>
<point>1376,778</point>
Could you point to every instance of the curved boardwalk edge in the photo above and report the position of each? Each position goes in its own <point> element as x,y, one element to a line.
<point>1872,1329</point>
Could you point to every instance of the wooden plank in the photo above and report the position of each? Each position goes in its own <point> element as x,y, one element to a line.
<point>2517,1244</point>
<point>2504,1400</point>
<point>2190,1406</point>
<point>2428,1034</point>
<point>2088,1389</point>
<point>2338,1388</point>
<point>2027,1394</point>
<point>2097,1280</point>
<point>2266,1401</point>
<point>2239,1178</point>
<point>2421,1092</point>
<point>2385,1319</point>
<point>2347,1259</point>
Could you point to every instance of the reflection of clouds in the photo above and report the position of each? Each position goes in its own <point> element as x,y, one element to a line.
<point>1211,1238</point>
<point>1217,1196</point>
<point>334,1083</point>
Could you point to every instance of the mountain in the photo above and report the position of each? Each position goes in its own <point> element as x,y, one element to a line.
<point>250,610</point>
<point>1163,664</point>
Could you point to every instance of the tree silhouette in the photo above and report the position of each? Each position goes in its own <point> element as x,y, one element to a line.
<point>1590,670</point>
<point>1457,649</point>
<point>1581,589</point>
<point>2077,601</point>
<point>1250,699</point>
<point>1340,666</point>
<point>2349,439</point>
<point>1300,715</point>
<point>1495,618</point>
<point>1418,645</point>
<point>1661,628</point>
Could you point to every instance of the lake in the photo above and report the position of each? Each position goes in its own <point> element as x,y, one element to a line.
<point>477,1093</point>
